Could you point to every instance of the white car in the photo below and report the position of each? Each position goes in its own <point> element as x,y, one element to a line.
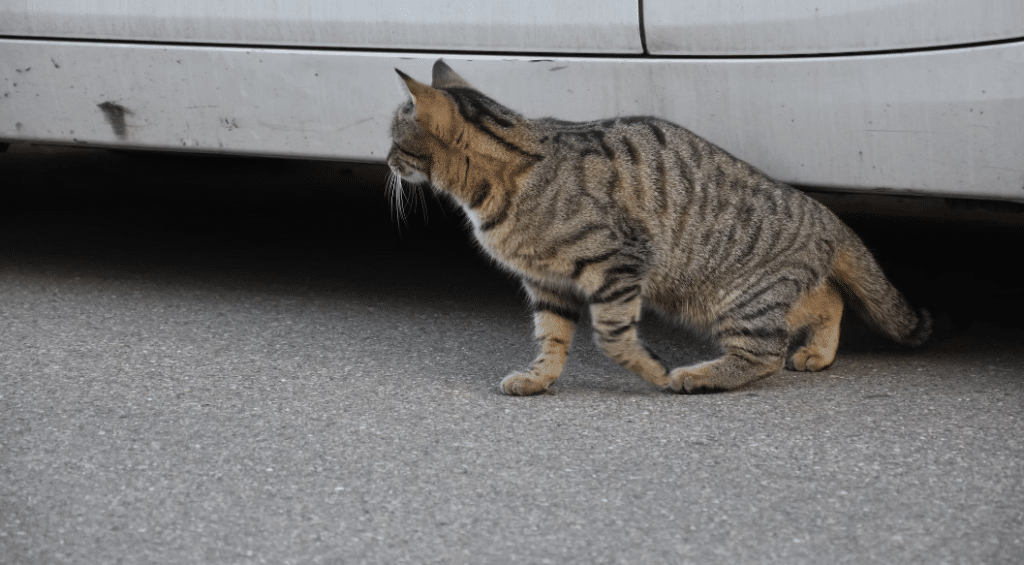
<point>904,96</point>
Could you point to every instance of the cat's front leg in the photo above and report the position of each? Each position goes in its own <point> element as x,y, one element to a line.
<point>615,330</point>
<point>554,320</point>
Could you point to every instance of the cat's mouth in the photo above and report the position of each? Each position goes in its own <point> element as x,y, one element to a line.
<point>406,171</point>
<point>410,175</point>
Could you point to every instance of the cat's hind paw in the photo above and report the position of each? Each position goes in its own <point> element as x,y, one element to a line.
<point>808,359</point>
<point>520,384</point>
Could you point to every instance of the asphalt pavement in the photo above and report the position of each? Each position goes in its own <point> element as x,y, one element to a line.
<point>231,360</point>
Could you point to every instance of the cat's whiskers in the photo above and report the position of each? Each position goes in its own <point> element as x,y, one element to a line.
<point>405,198</point>
<point>396,192</point>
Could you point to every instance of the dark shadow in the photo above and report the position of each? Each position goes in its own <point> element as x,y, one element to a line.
<point>318,226</point>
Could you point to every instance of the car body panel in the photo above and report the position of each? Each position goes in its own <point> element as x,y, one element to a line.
<point>791,27</point>
<point>566,26</point>
<point>883,122</point>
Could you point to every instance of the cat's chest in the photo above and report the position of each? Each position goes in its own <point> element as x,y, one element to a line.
<point>524,250</point>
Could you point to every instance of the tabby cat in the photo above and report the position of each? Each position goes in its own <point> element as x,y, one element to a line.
<point>615,214</point>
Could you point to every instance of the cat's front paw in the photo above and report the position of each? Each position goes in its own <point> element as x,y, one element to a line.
<point>687,382</point>
<point>520,384</point>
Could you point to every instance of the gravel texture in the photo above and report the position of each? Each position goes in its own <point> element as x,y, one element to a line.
<point>210,360</point>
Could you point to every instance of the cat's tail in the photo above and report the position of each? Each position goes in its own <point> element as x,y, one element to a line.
<point>859,277</point>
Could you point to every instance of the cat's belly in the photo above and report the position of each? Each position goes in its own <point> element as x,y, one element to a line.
<point>685,300</point>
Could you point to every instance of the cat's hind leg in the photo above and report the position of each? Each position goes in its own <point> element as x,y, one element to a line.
<point>753,333</point>
<point>739,366</point>
<point>818,313</point>
<point>554,321</point>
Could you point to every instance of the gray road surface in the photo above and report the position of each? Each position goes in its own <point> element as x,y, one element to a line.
<point>209,360</point>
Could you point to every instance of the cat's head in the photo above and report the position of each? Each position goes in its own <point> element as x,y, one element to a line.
<point>443,121</point>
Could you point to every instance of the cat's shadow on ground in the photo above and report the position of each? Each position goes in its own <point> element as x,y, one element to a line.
<point>327,230</point>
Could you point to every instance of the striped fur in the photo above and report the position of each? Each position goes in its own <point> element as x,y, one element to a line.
<point>625,212</point>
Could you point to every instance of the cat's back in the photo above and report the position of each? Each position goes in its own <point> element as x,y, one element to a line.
<point>703,210</point>
<point>663,172</point>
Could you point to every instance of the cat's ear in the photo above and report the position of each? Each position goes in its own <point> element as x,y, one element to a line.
<point>435,111</point>
<point>416,88</point>
<point>445,77</point>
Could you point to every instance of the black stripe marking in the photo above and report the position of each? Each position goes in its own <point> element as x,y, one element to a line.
<point>633,270</point>
<point>752,241</point>
<point>608,152</point>
<point>770,287</point>
<point>770,196</point>
<point>791,266</point>
<point>705,238</point>
<point>426,158</point>
<point>560,311</point>
<point>613,183</point>
<point>658,134</point>
<point>581,234</point>
<point>700,195</point>
<point>498,218</point>
<point>624,294</point>
<point>751,357</point>
<point>480,194</point>
<point>481,107</point>
<point>722,244</point>
<point>634,155</point>
<point>662,193</point>
<point>581,264</point>
<point>630,120</point>
<point>764,310</point>
<point>745,213</point>
<point>472,108</point>
<point>607,284</point>
<point>620,330</point>
<point>508,144</point>
<point>795,234</point>
<point>758,281</point>
<point>751,299</point>
<point>721,179</point>
<point>686,176</point>
<point>696,154</point>
<point>757,333</point>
